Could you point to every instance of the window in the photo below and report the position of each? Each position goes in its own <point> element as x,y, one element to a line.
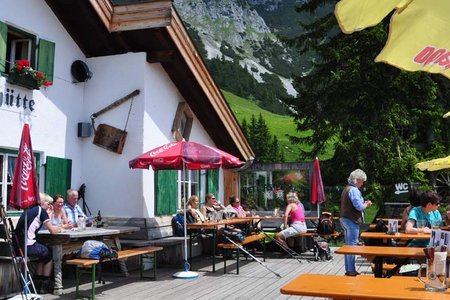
<point>168,189</point>
<point>8,160</point>
<point>191,185</point>
<point>16,44</point>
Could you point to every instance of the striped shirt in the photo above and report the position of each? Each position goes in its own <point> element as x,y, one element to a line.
<point>73,213</point>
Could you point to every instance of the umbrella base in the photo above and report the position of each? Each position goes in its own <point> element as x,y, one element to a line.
<point>185,275</point>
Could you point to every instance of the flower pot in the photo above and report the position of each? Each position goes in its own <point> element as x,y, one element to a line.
<point>26,81</point>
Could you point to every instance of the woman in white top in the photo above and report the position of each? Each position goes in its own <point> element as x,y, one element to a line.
<point>58,216</point>
<point>192,207</point>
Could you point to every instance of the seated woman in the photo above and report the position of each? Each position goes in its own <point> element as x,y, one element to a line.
<point>235,207</point>
<point>36,217</point>
<point>58,216</point>
<point>212,208</point>
<point>192,208</point>
<point>296,213</point>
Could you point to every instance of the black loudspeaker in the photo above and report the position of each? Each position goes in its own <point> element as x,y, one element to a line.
<point>84,129</point>
<point>80,71</point>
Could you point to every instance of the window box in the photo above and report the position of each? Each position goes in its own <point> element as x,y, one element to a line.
<point>26,80</point>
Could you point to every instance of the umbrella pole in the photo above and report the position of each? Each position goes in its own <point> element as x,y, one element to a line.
<point>26,290</point>
<point>186,274</point>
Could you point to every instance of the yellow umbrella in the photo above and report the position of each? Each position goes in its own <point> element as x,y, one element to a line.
<point>434,164</point>
<point>418,33</point>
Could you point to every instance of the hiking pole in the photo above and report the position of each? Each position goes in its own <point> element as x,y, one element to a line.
<point>288,250</point>
<point>252,256</point>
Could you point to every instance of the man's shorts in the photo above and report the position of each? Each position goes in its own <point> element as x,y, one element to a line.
<point>41,252</point>
<point>295,229</point>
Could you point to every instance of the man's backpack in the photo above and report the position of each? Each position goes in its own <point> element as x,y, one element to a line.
<point>96,250</point>
<point>326,224</point>
<point>178,223</point>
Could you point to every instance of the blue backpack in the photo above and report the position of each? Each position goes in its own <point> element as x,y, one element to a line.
<point>178,223</point>
<point>96,250</point>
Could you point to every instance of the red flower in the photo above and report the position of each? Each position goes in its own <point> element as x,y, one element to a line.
<point>47,83</point>
<point>24,63</point>
<point>39,75</point>
<point>19,67</point>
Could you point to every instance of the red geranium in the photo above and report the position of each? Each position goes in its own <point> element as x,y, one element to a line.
<point>23,68</point>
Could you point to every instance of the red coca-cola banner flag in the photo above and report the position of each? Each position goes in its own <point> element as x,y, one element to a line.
<point>25,190</point>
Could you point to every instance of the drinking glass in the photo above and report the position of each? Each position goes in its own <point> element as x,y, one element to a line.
<point>420,225</point>
<point>435,224</point>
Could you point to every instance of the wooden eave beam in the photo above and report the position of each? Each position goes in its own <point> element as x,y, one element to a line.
<point>134,16</point>
<point>161,56</point>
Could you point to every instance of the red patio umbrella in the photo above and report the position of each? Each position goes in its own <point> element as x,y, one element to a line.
<point>318,194</point>
<point>25,189</point>
<point>180,156</point>
<point>189,155</point>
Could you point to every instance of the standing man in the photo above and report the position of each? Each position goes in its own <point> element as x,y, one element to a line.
<point>72,209</point>
<point>352,214</point>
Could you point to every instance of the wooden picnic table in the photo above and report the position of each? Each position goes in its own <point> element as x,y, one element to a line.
<point>398,236</point>
<point>71,240</point>
<point>379,253</point>
<point>360,287</point>
<point>213,226</point>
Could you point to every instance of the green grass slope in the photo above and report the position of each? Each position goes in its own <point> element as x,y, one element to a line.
<point>279,125</point>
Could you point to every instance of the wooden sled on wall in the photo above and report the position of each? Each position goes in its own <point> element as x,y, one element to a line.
<point>107,136</point>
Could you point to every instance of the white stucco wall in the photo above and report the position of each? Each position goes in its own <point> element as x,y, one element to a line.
<point>114,188</point>
<point>57,108</point>
<point>111,186</point>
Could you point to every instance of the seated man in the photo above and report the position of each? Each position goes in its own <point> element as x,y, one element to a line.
<point>36,217</point>
<point>427,214</point>
<point>71,208</point>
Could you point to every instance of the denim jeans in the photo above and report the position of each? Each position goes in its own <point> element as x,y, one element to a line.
<point>351,235</point>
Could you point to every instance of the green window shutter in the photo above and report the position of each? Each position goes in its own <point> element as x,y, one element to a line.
<point>212,179</point>
<point>166,192</point>
<point>46,58</point>
<point>57,175</point>
<point>3,45</point>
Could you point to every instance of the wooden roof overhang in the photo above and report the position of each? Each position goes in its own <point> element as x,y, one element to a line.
<point>101,28</point>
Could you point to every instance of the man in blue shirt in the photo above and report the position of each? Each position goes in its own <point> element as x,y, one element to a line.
<point>426,213</point>
<point>72,209</point>
<point>352,215</point>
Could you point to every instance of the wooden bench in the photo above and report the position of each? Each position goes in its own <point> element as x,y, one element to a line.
<point>385,266</point>
<point>315,234</point>
<point>121,255</point>
<point>248,240</point>
<point>157,232</point>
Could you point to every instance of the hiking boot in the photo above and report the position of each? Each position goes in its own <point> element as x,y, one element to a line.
<point>46,287</point>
